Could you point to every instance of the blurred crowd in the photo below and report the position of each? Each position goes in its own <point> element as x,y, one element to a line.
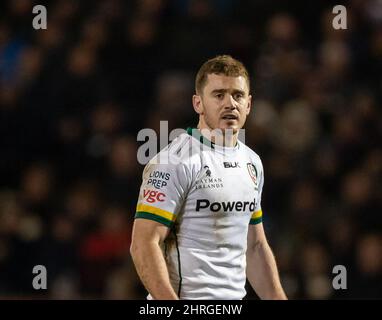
<point>73,98</point>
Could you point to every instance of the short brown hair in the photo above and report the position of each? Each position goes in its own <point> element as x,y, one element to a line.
<point>223,64</point>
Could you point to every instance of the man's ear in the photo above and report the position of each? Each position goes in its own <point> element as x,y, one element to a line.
<point>197,103</point>
<point>249,106</point>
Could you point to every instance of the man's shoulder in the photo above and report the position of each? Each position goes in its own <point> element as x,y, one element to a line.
<point>250,152</point>
<point>183,150</point>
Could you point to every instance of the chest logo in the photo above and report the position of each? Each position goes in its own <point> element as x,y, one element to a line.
<point>228,164</point>
<point>252,172</point>
<point>208,171</point>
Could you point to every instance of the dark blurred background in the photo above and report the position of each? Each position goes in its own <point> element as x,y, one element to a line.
<point>73,98</point>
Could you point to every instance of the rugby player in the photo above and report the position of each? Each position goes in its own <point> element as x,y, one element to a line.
<point>198,231</point>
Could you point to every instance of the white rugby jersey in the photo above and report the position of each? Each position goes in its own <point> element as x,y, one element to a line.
<point>207,195</point>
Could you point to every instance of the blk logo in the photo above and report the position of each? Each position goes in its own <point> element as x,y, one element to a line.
<point>231,164</point>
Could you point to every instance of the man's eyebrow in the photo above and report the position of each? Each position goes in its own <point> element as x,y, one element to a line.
<point>219,91</point>
<point>239,91</point>
<point>225,90</point>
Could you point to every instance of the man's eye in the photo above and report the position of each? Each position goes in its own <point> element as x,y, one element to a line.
<point>238,96</point>
<point>219,95</point>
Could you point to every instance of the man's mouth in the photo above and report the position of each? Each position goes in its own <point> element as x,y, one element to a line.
<point>230,117</point>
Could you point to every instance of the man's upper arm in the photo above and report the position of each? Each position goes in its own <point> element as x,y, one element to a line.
<point>256,235</point>
<point>147,231</point>
<point>256,230</point>
<point>257,214</point>
<point>163,190</point>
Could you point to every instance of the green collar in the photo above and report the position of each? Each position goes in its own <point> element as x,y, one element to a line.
<point>195,132</point>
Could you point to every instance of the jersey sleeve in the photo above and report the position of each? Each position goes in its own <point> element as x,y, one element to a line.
<point>162,193</point>
<point>257,215</point>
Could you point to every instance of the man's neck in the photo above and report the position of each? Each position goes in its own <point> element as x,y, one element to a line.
<point>221,137</point>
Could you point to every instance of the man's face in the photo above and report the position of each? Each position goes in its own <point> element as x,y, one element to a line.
<point>224,103</point>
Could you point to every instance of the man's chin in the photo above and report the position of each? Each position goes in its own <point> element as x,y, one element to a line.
<point>229,129</point>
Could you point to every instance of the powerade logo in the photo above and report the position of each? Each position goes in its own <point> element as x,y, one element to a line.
<point>225,206</point>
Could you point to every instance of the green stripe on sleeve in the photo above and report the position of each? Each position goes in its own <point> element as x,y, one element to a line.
<point>256,221</point>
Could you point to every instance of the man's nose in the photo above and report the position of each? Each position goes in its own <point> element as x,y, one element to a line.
<point>229,102</point>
